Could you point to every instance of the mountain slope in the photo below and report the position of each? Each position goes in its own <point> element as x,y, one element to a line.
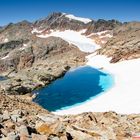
<point>125,43</point>
<point>18,31</point>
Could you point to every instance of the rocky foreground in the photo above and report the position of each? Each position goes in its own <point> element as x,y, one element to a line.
<point>22,120</point>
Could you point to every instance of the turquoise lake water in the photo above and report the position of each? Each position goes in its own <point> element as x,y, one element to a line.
<point>76,87</point>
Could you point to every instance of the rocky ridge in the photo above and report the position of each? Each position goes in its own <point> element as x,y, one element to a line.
<point>60,21</point>
<point>125,43</point>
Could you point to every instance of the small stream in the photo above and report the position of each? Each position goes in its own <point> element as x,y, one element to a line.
<point>76,87</point>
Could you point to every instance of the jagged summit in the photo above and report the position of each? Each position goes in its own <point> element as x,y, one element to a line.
<point>58,15</point>
<point>62,21</point>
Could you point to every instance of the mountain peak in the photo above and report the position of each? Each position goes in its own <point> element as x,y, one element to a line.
<point>62,21</point>
<point>72,17</point>
<point>54,14</point>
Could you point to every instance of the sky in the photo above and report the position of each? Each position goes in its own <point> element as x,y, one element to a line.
<point>31,10</point>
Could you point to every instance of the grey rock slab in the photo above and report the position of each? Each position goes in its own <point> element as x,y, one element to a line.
<point>49,119</point>
<point>1,118</point>
<point>6,115</point>
<point>23,130</point>
<point>15,117</point>
<point>12,136</point>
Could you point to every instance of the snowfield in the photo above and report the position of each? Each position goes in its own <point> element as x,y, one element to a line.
<point>123,98</point>
<point>81,41</point>
<point>35,30</point>
<point>85,20</point>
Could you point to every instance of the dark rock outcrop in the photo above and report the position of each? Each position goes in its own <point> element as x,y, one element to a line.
<point>18,31</point>
<point>102,25</point>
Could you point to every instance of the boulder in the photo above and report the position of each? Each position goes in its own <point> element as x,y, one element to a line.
<point>48,119</point>
<point>39,137</point>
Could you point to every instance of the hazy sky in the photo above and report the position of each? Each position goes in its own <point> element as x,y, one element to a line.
<point>17,10</point>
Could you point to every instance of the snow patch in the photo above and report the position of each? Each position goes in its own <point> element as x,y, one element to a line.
<point>6,40</point>
<point>25,45</point>
<point>5,57</point>
<point>85,20</point>
<point>81,41</point>
<point>106,35</point>
<point>102,32</point>
<point>51,30</point>
<point>82,31</point>
<point>35,30</point>
<point>21,49</point>
<point>103,41</point>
